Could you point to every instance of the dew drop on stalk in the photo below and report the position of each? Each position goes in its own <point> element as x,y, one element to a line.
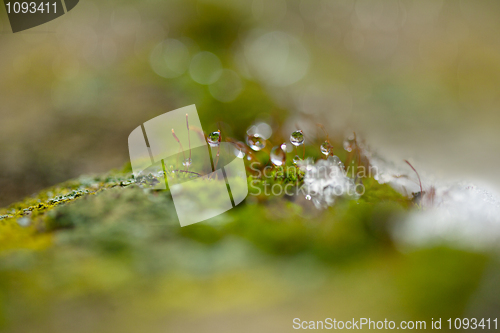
<point>308,197</point>
<point>335,160</point>
<point>214,139</point>
<point>297,138</point>
<point>256,142</point>
<point>296,159</point>
<point>239,153</point>
<point>239,149</point>
<point>187,162</point>
<point>349,144</point>
<point>278,156</point>
<point>326,148</point>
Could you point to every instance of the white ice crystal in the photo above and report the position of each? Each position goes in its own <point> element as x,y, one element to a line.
<point>462,214</point>
<point>325,181</point>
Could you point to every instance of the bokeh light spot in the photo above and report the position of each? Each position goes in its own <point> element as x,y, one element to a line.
<point>277,58</point>
<point>170,58</point>
<point>228,87</point>
<point>205,68</point>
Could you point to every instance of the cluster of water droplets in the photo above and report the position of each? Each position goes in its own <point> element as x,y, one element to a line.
<point>325,181</point>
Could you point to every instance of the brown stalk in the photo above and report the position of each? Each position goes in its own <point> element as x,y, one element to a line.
<point>180,144</point>
<point>189,139</point>
<point>420,183</point>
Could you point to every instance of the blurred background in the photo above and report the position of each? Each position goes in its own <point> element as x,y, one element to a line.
<point>417,79</point>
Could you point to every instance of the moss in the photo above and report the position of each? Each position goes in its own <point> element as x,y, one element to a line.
<point>96,205</point>
<point>105,240</point>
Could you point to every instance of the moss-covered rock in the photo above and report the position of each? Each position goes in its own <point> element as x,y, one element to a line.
<point>108,254</point>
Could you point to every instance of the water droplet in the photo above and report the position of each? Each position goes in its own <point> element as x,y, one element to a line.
<point>239,149</point>
<point>326,148</point>
<point>349,143</point>
<point>239,153</point>
<point>308,197</point>
<point>297,138</point>
<point>296,159</point>
<point>278,156</point>
<point>205,68</point>
<point>214,139</point>
<point>256,142</point>
<point>187,162</point>
<point>336,161</point>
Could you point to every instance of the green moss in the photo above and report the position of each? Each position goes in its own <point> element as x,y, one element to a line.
<point>105,240</point>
